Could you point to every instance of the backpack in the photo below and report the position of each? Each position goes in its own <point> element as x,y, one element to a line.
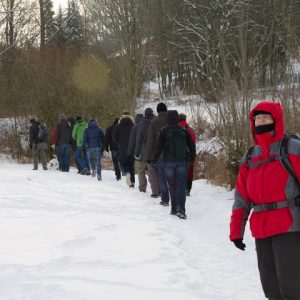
<point>176,144</point>
<point>42,133</point>
<point>283,152</point>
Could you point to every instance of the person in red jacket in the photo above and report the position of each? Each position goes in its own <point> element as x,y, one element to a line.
<point>266,186</point>
<point>190,177</point>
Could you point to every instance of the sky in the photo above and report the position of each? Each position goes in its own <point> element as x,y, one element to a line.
<point>56,4</point>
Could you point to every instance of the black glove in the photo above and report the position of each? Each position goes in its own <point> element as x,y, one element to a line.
<point>239,244</point>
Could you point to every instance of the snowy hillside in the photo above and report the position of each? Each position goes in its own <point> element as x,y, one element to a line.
<point>66,236</point>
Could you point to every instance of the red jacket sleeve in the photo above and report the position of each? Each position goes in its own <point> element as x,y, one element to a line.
<point>241,206</point>
<point>53,136</point>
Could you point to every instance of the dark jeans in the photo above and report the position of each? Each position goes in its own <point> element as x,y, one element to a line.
<point>163,185</point>
<point>127,165</point>
<point>279,265</point>
<point>176,174</point>
<point>115,160</point>
<point>63,157</point>
<point>95,153</point>
<point>82,159</point>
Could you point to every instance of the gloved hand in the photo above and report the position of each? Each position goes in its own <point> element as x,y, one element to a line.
<point>239,244</point>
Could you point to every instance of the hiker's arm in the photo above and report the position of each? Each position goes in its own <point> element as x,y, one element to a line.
<point>241,205</point>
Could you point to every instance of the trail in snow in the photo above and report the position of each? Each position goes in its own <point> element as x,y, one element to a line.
<point>67,236</point>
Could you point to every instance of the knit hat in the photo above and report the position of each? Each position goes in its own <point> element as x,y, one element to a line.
<point>148,112</point>
<point>161,107</point>
<point>182,117</point>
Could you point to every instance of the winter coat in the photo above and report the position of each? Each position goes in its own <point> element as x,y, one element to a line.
<point>78,132</point>
<point>109,144</point>
<point>53,136</point>
<point>33,134</point>
<point>161,142</point>
<point>93,136</point>
<point>133,135</point>
<point>154,128</point>
<point>141,140</point>
<point>63,133</point>
<point>266,182</point>
<point>121,134</point>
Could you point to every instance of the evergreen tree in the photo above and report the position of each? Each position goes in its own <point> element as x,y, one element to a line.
<point>74,27</point>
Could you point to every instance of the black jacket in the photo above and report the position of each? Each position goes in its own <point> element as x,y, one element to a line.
<point>121,135</point>
<point>33,133</point>
<point>63,133</point>
<point>109,144</point>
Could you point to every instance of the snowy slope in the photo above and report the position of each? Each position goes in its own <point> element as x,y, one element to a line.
<point>67,236</point>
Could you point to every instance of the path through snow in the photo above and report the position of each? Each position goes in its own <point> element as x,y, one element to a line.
<point>66,236</point>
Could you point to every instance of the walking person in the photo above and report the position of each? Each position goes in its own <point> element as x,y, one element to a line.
<point>133,140</point>
<point>140,154</point>
<point>273,192</point>
<point>158,170</point>
<point>93,139</point>
<point>37,142</point>
<point>81,153</point>
<point>111,146</point>
<point>63,141</point>
<point>121,136</point>
<point>71,122</point>
<point>178,150</point>
<point>190,131</point>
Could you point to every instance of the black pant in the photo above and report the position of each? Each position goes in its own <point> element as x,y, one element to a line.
<point>279,265</point>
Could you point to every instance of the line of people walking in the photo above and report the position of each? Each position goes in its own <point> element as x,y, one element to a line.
<point>161,149</point>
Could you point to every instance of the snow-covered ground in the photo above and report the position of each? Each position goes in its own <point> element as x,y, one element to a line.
<point>67,236</point>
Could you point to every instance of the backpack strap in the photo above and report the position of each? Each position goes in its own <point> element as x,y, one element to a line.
<point>284,159</point>
<point>248,157</point>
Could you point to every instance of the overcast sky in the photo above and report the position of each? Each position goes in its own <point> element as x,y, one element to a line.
<point>56,4</point>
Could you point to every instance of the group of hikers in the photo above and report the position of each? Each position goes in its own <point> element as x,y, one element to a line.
<point>268,183</point>
<point>158,148</point>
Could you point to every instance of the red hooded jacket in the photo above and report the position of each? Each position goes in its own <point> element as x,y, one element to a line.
<point>267,182</point>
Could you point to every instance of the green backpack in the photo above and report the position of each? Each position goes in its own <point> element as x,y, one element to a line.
<point>176,144</point>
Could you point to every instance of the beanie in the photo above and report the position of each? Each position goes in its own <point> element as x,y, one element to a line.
<point>148,112</point>
<point>182,117</point>
<point>161,107</point>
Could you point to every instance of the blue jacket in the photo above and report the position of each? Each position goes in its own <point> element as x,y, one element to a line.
<point>93,136</point>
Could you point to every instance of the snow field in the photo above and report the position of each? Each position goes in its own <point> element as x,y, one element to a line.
<point>67,236</point>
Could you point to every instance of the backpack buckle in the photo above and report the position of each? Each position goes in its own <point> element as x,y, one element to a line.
<point>270,206</point>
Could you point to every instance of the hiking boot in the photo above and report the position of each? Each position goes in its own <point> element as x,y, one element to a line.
<point>132,185</point>
<point>34,169</point>
<point>118,178</point>
<point>99,177</point>
<point>94,173</point>
<point>142,191</point>
<point>155,196</point>
<point>45,168</point>
<point>163,203</point>
<point>173,212</point>
<point>181,215</point>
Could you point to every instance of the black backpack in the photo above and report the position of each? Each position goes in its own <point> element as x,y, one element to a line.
<point>283,152</point>
<point>176,143</point>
